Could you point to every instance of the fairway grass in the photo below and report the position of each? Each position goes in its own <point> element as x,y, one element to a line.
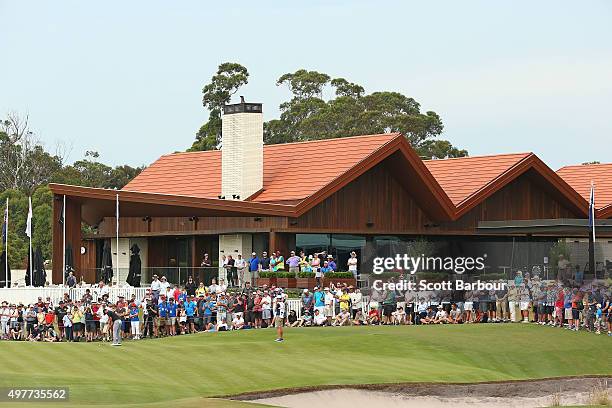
<point>187,369</point>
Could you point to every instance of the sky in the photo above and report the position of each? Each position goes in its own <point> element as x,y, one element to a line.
<point>125,78</point>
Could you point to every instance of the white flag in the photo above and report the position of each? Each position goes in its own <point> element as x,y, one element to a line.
<point>28,230</point>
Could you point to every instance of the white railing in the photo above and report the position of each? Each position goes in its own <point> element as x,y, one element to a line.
<point>30,295</point>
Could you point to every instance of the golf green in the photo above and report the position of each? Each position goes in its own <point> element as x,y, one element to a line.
<point>186,369</point>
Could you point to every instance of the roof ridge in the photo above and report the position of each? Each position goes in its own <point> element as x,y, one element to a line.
<point>477,157</point>
<point>583,166</point>
<point>392,134</point>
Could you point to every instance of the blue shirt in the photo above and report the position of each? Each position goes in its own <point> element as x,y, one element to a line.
<point>254,264</point>
<point>182,297</point>
<point>163,309</point>
<point>319,298</point>
<point>207,307</point>
<point>332,265</point>
<point>172,309</point>
<point>134,314</point>
<point>190,308</point>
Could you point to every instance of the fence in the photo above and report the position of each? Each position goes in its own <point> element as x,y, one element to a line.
<point>31,295</point>
<point>175,275</point>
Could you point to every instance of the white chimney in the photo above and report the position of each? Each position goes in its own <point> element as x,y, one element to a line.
<point>241,150</point>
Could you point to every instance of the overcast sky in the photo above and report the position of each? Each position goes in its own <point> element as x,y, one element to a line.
<point>125,77</point>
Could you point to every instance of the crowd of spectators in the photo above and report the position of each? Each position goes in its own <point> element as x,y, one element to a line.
<point>171,310</point>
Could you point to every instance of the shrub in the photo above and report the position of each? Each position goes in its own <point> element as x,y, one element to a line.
<point>339,275</point>
<point>306,274</point>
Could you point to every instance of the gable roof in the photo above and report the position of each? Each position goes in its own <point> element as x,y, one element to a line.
<point>300,174</point>
<point>463,177</point>
<point>292,171</point>
<point>580,177</point>
<point>470,180</point>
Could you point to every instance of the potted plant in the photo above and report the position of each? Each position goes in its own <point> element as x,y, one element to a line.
<point>286,280</point>
<point>266,278</point>
<point>306,280</point>
<point>339,278</point>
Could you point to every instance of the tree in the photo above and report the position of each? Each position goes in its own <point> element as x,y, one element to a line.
<point>90,172</point>
<point>305,84</point>
<point>229,78</point>
<point>308,117</point>
<point>24,163</point>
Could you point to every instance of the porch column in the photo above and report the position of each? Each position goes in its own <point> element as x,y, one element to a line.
<point>73,237</point>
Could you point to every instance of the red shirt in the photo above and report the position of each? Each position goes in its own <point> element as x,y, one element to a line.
<point>49,317</point>
<point>560,299</point>
<point>94,310</point>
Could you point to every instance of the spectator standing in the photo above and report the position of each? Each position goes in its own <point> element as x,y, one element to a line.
<point>331,264</point>
<point>241,268</point>
<point>294,263</point>
<point>254,265</point>
<point>190,286</point>
<point>356,302</point>
<point>352,264</point>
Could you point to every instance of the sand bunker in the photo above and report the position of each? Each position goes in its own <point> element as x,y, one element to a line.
<point>540,393</point>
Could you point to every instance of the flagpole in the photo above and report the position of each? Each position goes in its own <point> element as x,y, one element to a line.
<point>64,242</point>
<point>6,265</point>
<point>30,234</point>
<point>117,232</point>
<point>592,231</point>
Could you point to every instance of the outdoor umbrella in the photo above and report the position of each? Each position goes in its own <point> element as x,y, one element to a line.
<point>3,283</point>
<point>28,279</point>
<point>69,260</point>
<point>134,274</point>
<point>38,270</point>
<point>107,263</point>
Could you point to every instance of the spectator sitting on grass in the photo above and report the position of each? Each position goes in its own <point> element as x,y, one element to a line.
<point>454,315</point>
<point>342,319</point>
<point>238,322</point>
<point>319,319</point>
<point>441,316</point>
<point>374,315</point>
<point>429,317</point>
<point>359,319</point>
<point>399,316</point>
<point>292,319</point>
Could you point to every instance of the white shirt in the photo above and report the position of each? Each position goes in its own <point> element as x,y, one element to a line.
<point>440,314</point>
<point>5,314</point>
<point>352,264</point>
<point>266,302</point>
<point>240,263</point>
<point>156,285</point>
<point>320,319</point>
<point>329,299</point>
<point>163,287</point>
<point>279,309</point>
<point>356,300</point>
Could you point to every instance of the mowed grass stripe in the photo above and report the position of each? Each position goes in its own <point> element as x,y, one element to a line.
<point>212,364</point>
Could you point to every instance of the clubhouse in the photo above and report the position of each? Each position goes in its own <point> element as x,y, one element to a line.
<point>372,194</point>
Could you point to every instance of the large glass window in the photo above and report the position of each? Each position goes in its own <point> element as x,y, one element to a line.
<point>312,243</point>
<point>343,245</point>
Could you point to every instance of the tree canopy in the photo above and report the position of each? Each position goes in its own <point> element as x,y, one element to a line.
<point>26,168</point>
<point>308,116</point>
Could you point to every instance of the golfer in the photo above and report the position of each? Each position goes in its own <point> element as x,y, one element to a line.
<point>116,319</point>
<point>279,317</point>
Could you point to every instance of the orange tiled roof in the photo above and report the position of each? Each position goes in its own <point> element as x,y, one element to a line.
<point>579,177</point>
<point>463,177</point>
<point>292,171</point>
